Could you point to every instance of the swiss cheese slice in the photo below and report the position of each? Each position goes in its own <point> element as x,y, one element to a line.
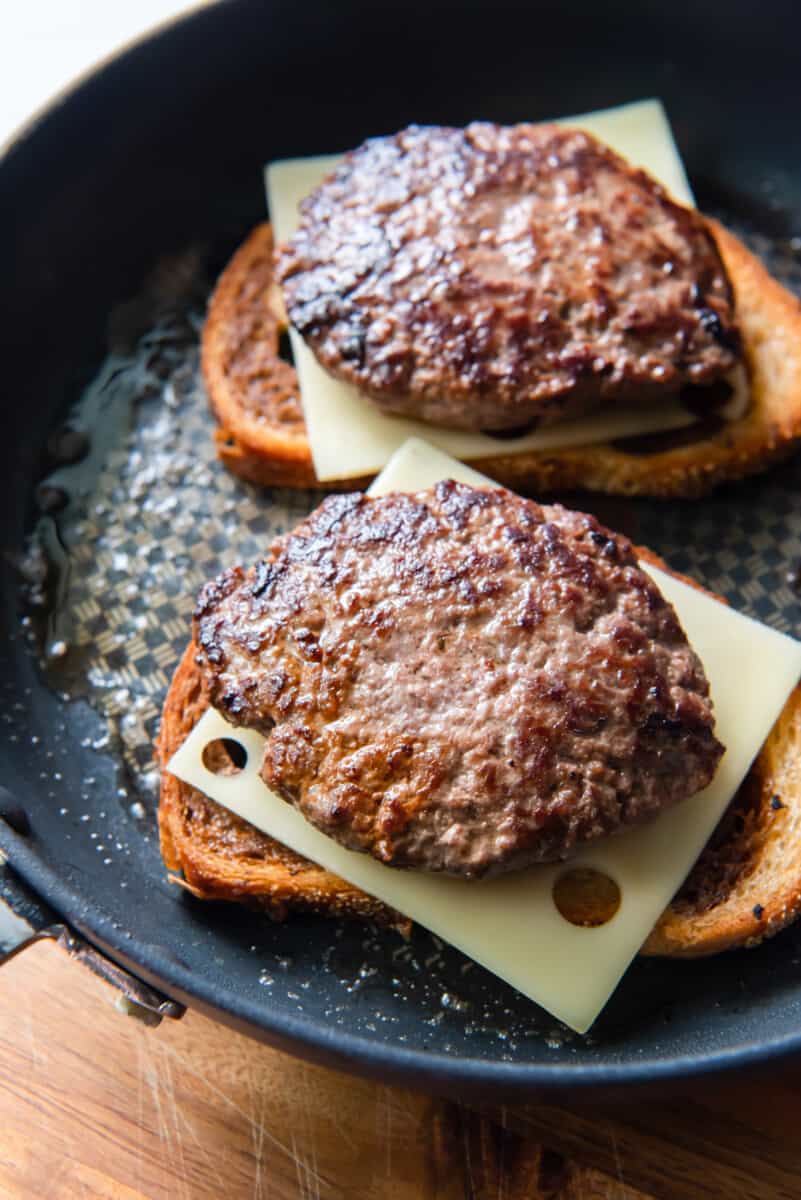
<point>510,924</point>
<point>350,437</point>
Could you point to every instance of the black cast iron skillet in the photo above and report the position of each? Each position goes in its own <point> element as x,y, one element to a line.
<point>162,149</point>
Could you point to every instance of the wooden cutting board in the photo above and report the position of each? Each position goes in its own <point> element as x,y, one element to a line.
<point>95,1105</point>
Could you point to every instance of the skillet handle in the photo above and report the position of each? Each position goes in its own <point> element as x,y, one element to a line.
<point>25,919</point>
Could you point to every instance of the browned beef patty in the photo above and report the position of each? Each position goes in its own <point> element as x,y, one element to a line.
<point>492,277</point>
<point>459,680</point>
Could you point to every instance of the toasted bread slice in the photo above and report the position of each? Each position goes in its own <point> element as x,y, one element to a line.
<point>746,885</point>
<point>224,858</point>
<point>261,437</point>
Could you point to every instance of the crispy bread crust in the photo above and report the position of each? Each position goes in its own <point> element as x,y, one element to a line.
<point>261,437</point>
<point>746,885</point>
<point>253,393</point>
<point>224,858</point>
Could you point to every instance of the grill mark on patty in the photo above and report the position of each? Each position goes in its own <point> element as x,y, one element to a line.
<point>495,277</point>
<point>461,679</point>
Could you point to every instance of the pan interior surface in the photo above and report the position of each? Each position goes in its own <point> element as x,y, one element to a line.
<point>120,208</point>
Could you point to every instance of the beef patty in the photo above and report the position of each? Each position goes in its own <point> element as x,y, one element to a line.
<point>492,277</point>
<point>459,680</point>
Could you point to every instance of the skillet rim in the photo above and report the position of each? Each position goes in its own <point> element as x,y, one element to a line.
<point>302,1036</point>
<point>317,1041</point>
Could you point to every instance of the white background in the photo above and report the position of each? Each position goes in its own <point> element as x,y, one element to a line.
<point>46,44</point>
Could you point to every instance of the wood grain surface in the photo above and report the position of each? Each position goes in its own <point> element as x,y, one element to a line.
<point>95,1105</point>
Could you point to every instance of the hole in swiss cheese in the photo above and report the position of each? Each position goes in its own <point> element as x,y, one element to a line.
<point>587,897</point>
<point>224,756</point>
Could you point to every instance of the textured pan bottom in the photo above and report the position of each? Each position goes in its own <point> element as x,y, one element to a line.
<point>130,531</point>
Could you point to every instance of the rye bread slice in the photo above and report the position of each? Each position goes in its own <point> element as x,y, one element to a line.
<point>746,885</point>
<point>261,436</point>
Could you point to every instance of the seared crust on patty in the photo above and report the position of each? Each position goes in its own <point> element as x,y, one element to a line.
<point>746,885</point>
<point>222,857</point>
<point>459,680</point>
<point>258,444</point>
<point>493,277</point>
